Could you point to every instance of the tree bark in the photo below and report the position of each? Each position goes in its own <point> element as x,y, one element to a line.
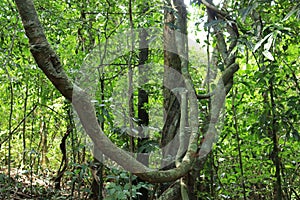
<point>48,61</point>
<point>172,72</point>
<point>143,115</point>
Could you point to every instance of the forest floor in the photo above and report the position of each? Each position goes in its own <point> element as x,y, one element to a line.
<point>22,184</point>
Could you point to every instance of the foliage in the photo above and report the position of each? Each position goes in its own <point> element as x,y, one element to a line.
<point>263,102</point>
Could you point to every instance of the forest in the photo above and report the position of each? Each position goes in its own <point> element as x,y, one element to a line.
<point>150,100</point>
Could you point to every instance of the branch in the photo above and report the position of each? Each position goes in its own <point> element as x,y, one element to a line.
<point>225,82</point>
<point>44,56</point>
<point>19,124</point>
<point>215,9</point>
<point>48,61</point>
<point>227,53</point>
<point>204,96</point>
<point>171,193</point>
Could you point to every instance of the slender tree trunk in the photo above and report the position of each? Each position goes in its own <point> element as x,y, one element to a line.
<point>143,115</point>
<point>24,125</point>
<point>175,51</point>
<point>172,64</point>
<point>236,127</point>
<point>171,103</point>
<point>44,143</point>
<point>98,182</point>
<point>275,151</point>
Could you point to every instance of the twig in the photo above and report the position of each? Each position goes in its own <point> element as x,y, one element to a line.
<point>14,130</point>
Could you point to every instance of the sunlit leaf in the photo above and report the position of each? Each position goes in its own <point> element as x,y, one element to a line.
<point>268,45</point>
<point>290,13</point>
<point>261,42</point>
<point>268,55</point>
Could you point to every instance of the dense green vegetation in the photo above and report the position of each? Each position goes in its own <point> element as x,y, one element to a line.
<point>45,152</point>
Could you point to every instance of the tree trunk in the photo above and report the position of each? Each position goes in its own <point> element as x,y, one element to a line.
<point>49,62</point>
<point>143,115</point>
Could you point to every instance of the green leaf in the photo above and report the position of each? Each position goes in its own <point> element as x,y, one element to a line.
<point>268,45</point>
<point>261,42</point>
<point>213,23</point>
<point>290,13</point>
<point>268,55</point>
